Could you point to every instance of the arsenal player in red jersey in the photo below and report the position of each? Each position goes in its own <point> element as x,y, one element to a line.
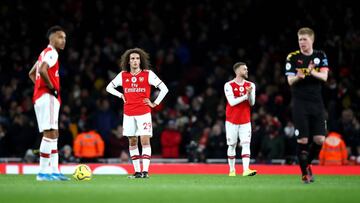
<point>46,98</point>
<point>136,80</point>
<point>240,95</point>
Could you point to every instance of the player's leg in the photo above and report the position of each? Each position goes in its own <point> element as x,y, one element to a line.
<point>144,129</point>
<point>146,154</point>
<point>43,107</point>
<point>129,128</point>
<point>245,139</point>
<point>231,141</point>
<point>301,123</point>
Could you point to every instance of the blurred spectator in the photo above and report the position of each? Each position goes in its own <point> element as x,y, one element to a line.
<point>89,146</point>
<point>170,140</point>
<point>66,155</point>
<point>333,151</point>
<point>272,146</point>
<point>349,127</point>
<point>216,145</point>
<point>118,144</point>
<point>30,157</point>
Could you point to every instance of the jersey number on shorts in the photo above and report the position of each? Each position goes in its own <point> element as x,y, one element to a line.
<point>147,126</point>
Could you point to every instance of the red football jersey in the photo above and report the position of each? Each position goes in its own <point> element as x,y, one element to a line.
<point>135,89</point>
<point>50,56</point>
<point>240,113</point>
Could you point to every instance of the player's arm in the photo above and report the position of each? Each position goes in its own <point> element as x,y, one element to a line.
<point>43,71</point>
<point>293,74</point>
<point>251,96</point>
<point>32,73</point>
<point>229,94</point>
<point>322,74</point>
<point>117,81</point>
<point>155,81</point>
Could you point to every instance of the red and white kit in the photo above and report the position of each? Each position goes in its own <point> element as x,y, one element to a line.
<point>137,87</point>
<point>238,125</point>
<point>46,105</point>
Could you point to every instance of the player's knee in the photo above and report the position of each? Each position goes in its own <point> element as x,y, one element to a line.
<point>133,141</point>
<point>303,140</point>
<point>319,140</point>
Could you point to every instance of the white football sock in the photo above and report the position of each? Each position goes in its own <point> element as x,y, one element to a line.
<point>231,157</point>
<point>54,157</point>
<point>245,154</point>
<point>45,150</point>
<point>135,157</point>
<point>146,155</point>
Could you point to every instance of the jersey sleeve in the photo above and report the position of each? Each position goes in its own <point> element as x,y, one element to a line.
<point>323,61</point>
<point>228,91</point>
<point>154,80</point>
<point>290,68</point>
<point>117,81</point>
<point>50,58</point>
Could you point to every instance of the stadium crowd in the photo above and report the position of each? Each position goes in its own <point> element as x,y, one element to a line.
<point>193,45</point>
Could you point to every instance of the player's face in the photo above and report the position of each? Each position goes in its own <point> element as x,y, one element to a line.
<point>242,71</point>
<point>305,43</point>
<point>59,40</point>
<point>134,60</point>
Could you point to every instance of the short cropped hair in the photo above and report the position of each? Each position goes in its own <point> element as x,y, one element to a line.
<point>237,65</point>
<point>53,29</point>
<point>307,31</point>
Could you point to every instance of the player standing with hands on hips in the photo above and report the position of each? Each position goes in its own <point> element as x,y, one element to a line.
<point>306,71</point>
<point>136,80</point>
<point>46,98</point>
<point>240,95</point>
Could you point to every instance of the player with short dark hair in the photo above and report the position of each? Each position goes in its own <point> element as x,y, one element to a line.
<point>136,80</point>
<point>46,98</point>
<point>240,95</point>
<point>306,70</point>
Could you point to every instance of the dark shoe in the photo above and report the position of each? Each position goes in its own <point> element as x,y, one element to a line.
<point>136,175</point>
<point>309,171</point>
<point>306,179</point>
<point>145,174</point>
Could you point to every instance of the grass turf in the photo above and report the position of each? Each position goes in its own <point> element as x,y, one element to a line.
<point>182,188</point>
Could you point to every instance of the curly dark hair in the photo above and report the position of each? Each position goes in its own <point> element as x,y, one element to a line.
<point>144,59</point>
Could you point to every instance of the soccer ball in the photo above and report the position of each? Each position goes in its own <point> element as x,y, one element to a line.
<point>82,172</point>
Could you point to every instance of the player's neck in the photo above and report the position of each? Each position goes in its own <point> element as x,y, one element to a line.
<point>239,80</point>
<point>307,52</point>
<point>135,71</point>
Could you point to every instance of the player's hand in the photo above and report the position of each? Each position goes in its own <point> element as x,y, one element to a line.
<point>54,92</point>
<point>248,90</point>
<point>311,67</point>
<point>300,74</point>
<point>123,98</point>
<point>149,103</point>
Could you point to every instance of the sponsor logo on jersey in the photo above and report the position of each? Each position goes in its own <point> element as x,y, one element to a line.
<point>134,89</point>
<point>241,89</point>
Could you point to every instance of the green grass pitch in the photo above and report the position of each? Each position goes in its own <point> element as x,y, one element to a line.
<point>182,188</point>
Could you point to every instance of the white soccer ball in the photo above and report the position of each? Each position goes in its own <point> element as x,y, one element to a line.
<point>82,172</point>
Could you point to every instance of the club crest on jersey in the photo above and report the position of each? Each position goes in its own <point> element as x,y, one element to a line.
<point>141,79</point>
<point>316,61</point>
<point>133,79</point>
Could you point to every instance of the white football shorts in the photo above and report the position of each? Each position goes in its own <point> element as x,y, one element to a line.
<point>137,125</point>
<point>235,132</point>
<point>47,109</point>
